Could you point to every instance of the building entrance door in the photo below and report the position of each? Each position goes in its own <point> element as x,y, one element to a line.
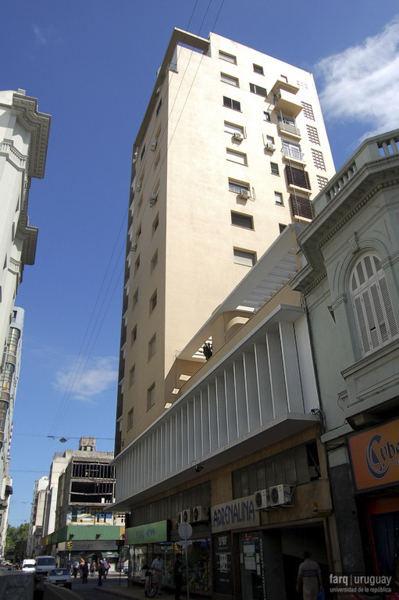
<point>251,566</point>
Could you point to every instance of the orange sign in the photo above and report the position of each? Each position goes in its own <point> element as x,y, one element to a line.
<point>375,456</point>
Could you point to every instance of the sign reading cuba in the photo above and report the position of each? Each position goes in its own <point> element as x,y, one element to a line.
<point>375,456</point>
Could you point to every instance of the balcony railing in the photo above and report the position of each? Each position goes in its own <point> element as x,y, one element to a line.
<point>292,153</point>
<point>289,129</point>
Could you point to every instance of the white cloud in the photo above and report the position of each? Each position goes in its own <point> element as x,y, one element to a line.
<point>83,382</point>
<point>40,35</point>
<point>362,83</point>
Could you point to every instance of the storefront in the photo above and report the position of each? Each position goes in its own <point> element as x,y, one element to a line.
<point>147,541</point>
<point>374,456</point>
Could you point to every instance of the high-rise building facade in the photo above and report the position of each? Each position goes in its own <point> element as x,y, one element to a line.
<point>34,543</point>
<point>24,133</point>
<point>232,149</point>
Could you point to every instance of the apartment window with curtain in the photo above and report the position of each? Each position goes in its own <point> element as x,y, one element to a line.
<point>372,305</point>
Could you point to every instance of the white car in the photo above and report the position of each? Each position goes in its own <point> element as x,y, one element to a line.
<point>60,576</point>
<point>44,564</point>
<point>29,565</point>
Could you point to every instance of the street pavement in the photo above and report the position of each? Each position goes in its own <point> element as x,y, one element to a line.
<point>113,587</point>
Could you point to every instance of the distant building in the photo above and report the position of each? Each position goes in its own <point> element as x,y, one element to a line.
<point>350,281</point>
<point>24,133</point>
<point>81,485</point>
<point>34,543</point>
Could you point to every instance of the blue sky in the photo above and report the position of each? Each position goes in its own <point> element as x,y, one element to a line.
<point>92,65</point>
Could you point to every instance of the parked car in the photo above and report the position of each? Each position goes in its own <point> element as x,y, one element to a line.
<point>28,565</point>
<point>60,577</point>
<point>44,564</point>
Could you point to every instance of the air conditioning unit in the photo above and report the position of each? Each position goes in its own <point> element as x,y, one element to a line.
<point>245,194</point>
<point>270,146</point>
<point>200,513</point>
<point>238,136</point>
<point>280,495</point>
<point>262,499</point>
<point>153,145</point>
<point>153,199</point>
<point>134,247</point>
<point>184,516</point>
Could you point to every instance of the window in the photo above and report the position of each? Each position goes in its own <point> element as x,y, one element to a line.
<point>130,419</point>
<point>281,227</point>
<point>137,264</point>
<point>154,260</point>
<point>234,104</point>
<point>266,116</point>
<point>135,297</point>
<point>372,306</point>
<point>155,224</point>
<point>313,135</point>
<point>159,107</point>
<point>278,198</point>
<point>274,168</point>
<point>237,157</point>
<point>244,257</point>
<point>232,129</point>
<point>227,57</point>
<point>308,110</point>
<point>256,89</point>
<point>237,187</point>
<point>258,69</point>
<point>229,79</point>
<point>151,396</point>
<point>133,335</point>
<point>318,159</point>
<point>153,301</point>
<point>240,220</point>
<point>297,177</point>
<point>132,375</point>
<point>301,207</point>
<point>270,139</point>
<point>152,346</point>
<point>321,181</point>
<point>142,153</point>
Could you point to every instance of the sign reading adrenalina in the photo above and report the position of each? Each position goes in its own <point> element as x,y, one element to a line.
<point>236,514</point>
<point>375,456</point>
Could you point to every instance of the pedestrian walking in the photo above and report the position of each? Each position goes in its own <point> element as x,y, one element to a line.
<point>178,575</point>
<point>309,577</point>
<point>101,571</point>
<point>157,566</point>
<point>85,572</point>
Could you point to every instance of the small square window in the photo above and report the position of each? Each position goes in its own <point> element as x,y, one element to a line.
<point>154,260</point>
<point>227,57</point>
<point>152,346</point>
<point>133,335</point>
<point>281,227</point>
<point>266,116</point>
<point>137,264</point>
<point>229,79</point>
<point>274,168</point>
<point>278,198</point>
<point>258,69</point>
<point>151,396</point>
<point>238,187</point>
<point>230,103</point>
<point>153,301</point>
<point>241,220</point>
<point>257,89</point>
<point>155,224</point>
<point>135,297</point>
<point>132,375</point>
<point>238,157</point>
<point>270,139</point>
<point>244,257</point>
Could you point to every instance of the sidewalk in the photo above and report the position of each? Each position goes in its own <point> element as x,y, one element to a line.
<point>118,587</point>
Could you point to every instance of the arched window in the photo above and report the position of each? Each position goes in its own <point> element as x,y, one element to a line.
<point>372,304</point>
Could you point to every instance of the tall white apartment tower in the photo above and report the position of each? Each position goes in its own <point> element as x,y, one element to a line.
<point>232,148</point>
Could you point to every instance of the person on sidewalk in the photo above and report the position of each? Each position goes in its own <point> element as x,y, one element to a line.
<point>178,575</point>
<point>100,572</point>
<point>157,566</point>
<point>309,576</point>
<point>85,572</point>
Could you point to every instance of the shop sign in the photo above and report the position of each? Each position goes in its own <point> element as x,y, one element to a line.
<point>236,514</point>
<point>89,545</point>
<point>375,456</point>
<point>222,564</point>
<point>147,534</point>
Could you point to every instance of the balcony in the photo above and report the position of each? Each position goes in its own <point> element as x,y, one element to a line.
<point>292,154</point>
<point>286,102</point>
<point>289,129</point>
